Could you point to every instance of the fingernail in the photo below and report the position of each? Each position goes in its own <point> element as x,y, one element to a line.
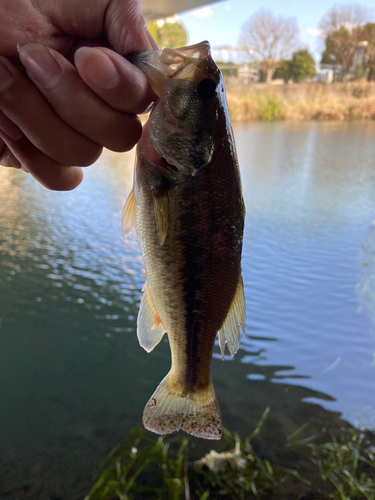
<point>6,77</point>
<point>40,64</point>
<point>9,128</point>
<point>97,67</point>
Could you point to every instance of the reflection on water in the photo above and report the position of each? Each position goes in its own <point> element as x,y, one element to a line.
<point>366,285</point>
<point>309,209</point>
<point>74,379</point>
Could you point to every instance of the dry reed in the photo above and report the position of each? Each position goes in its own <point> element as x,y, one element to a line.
<point>302,101</point>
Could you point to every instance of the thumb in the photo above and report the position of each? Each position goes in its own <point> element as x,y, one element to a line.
<point>125,27</point>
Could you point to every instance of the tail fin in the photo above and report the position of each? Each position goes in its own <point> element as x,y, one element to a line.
<point>170,410</point>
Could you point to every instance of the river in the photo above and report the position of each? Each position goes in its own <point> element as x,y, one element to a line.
<point>74,380</point>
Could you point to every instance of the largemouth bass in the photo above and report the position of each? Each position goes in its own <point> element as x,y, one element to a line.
<point>187,208</point>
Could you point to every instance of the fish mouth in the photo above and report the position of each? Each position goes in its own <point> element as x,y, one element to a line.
<point>181,63</point>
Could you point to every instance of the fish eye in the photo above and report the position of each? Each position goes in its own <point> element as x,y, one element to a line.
<point>206,88</point>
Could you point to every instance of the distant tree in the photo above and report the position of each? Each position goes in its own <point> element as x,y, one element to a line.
<point>283,70</point>
<point>359,71</point>
<point>168,34</point>
<point>328,57</point>
<point>302,65</point>
<point>269,39</point>
<point>367,34</point>
<point>340,27</point>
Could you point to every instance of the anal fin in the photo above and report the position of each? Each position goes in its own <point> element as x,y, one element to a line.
<point>230,331</point>
<point>150,329</point>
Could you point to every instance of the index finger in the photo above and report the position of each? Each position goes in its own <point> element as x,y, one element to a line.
<point>114,79</point>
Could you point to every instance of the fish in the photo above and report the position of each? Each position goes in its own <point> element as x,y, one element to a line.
<point>187,208</point>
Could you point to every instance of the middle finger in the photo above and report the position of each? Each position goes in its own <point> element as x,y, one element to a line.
<point>75,103</point>
<point>24,105</point>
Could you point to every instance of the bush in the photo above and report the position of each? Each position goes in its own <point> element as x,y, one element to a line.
<point>302,65</point>
<point>270,109</point>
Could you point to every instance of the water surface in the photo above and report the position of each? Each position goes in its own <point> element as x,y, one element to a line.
<point>73,377</point>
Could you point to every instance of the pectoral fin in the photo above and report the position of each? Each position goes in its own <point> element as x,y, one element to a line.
<point>230,331</point>
<point>150,329</point>
<point>128,215</point>
<point>162,213</point>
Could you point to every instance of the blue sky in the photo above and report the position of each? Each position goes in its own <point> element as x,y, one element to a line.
<point>220,23</point>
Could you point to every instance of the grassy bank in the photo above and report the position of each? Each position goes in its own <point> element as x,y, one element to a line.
<point>302,101</point>
<point>171,468</point>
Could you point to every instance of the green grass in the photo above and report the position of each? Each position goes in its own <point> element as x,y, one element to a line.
<point>270,108</point>
<point>346,465</point>
<point>162,468</point>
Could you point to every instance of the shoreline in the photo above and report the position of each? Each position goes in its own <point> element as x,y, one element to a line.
<point>349,101</point>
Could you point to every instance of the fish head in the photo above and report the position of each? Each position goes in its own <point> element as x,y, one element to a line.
<point>190,91</point>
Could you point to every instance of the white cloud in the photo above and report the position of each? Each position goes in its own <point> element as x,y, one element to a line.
<point>202,13</point>
<point>315,32</point>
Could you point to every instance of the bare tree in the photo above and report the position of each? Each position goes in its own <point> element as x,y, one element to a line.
<point>340,27</point>
<point>269,39</point>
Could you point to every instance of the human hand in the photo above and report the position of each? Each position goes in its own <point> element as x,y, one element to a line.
<point>58,114</point>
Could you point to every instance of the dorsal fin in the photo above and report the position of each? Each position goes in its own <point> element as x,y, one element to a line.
<point>128,215</point>
<point>150,329</point>
<point>230,331</point>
